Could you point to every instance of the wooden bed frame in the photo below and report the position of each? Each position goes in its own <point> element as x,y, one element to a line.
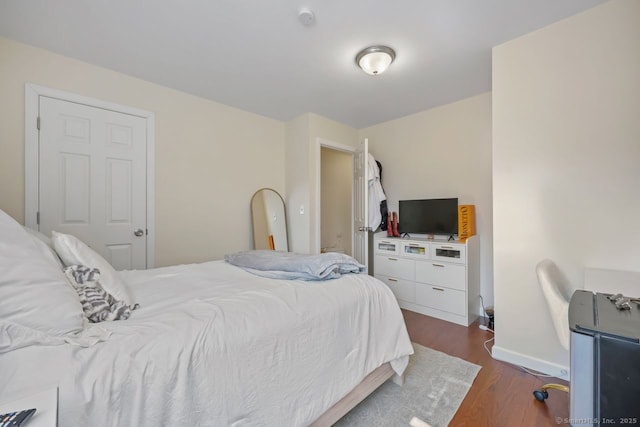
<point>367,386</point>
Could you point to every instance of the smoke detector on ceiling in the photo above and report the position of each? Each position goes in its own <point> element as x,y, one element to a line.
<point>306,17</point>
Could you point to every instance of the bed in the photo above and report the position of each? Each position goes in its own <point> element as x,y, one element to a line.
<point>210,345</point>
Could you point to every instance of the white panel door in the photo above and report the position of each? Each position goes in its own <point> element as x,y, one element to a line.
<point>361,203</point>
<point>92,179</point>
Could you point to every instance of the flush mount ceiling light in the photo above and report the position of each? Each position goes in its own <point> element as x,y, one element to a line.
<point>375,60</point>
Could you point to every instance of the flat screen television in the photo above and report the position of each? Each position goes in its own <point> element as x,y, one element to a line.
<point>429,216</point>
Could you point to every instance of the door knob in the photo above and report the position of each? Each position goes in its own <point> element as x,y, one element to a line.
<point>138,232</point>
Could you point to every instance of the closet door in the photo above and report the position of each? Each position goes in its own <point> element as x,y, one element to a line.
<point>92,179</point>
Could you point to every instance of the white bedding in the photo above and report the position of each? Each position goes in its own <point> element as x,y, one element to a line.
<point>239,350</point>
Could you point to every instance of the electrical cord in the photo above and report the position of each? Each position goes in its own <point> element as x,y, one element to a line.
<point>487,348</point>
<point>486,328</point>
<point>535,374</point>
<point>484,344</point>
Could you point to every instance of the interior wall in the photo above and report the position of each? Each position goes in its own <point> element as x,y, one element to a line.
<point>336,132</point>
<point>298,182</point>
<point>438,153</point>
<point>210,158</point>
<point>302,174</point>
<point>566,102</point>
<point>336,199</point>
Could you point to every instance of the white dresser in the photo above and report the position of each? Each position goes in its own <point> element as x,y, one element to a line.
<point>433,277</point>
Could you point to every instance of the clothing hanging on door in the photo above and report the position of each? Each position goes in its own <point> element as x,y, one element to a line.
<point>376,194</point>
<point>384,211</point>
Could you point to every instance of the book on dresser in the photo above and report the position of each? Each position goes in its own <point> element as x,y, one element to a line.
<point>437,278</point>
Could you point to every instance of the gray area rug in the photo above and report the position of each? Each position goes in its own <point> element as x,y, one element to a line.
<point>435,386</point>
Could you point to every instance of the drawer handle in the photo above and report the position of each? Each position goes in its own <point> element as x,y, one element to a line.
<point>392,280</point>
<point>393,259</point>
<point>446,247</point>
<point>413,245</point>
<point>438,289</point>
<point>438,265</point>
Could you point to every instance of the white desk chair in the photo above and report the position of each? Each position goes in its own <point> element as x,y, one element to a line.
<point>557,294</point>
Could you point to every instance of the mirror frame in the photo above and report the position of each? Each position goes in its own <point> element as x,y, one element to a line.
<point>255,214</point>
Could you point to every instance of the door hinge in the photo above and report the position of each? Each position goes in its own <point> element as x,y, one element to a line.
<point>147,230</point>
<point>38,122</point>
<point>38,217</point>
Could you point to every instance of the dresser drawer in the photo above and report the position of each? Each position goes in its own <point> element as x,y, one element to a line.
<point>392,266</point>
<point>387,246</point>
<point>404,290</point>
<point>417,250</point>
<point>448,253</point>
<point>441,274</point>
<point>443,299</point>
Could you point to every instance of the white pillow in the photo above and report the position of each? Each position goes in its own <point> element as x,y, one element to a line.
<point>34,292</point>
<point>45,245</point>
<point>74,252</point>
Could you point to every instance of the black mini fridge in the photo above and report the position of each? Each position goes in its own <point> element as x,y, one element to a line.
<point>605,361</point>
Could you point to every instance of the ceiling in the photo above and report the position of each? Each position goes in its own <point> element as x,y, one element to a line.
<point>257,56</point>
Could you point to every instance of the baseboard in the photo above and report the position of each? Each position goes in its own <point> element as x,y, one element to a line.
<point>438,314</point>
<point>530,363</point>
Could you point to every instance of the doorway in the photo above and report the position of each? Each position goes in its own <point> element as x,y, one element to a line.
<point>336,199</point>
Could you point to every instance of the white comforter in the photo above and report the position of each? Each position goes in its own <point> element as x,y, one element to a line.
<point>213,345</point>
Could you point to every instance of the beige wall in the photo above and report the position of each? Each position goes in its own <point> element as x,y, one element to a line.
<point>442,152</point>
<point>328,130</point>
<point>298,181</point>
<point>210,158</point>
<point>302,174</point>
<point>566,108</point>
<point>336,199</point>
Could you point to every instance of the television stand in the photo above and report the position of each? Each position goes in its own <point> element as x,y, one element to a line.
<point>436,278</point>
<point>451,238</point>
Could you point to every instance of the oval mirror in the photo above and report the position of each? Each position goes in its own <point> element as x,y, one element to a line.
<point>269,221</point>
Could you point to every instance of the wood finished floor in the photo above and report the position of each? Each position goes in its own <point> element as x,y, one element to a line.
<point>502,393</point>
